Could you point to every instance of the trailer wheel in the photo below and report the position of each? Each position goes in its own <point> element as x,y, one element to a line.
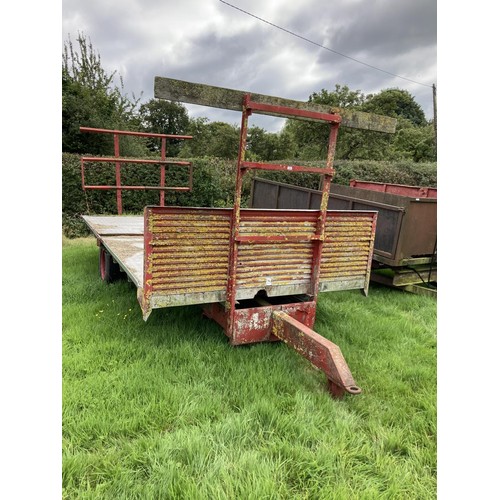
<point>108,269</point>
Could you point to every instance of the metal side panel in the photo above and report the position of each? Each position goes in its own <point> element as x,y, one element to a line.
<point>187,251</point>
<point>347,250</point>
<point>279,268</point>
<point>398,189</point>
<point>186,255</point>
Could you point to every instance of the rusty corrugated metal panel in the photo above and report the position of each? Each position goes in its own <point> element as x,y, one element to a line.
<point>263,265</point>
<point>347,247</point>
<point>189,251</point>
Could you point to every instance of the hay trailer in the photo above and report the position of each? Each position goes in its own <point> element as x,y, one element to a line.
<point>257,273</point>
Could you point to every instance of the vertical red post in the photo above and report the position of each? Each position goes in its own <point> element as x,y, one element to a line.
<point>116,140</point>
<point>325,196</point>
<point>82,166</point>
<point>162,170</point>
<point>235,221</point>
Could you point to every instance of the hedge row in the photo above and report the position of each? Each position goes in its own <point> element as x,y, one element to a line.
<point>213,184</point>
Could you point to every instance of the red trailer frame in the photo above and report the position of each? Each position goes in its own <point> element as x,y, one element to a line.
<point>255,272</point>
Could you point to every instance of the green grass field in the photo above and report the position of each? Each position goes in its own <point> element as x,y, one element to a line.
<point>168,409</point>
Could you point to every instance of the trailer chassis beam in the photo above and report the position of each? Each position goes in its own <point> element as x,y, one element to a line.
<point>321,352</point>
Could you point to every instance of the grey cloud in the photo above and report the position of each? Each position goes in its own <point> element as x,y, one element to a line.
<point>398,36</point>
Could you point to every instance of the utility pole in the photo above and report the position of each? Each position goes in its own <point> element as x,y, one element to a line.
<point>435,114</point>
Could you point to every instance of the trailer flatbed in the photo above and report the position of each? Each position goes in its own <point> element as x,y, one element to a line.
<point>123,237</point>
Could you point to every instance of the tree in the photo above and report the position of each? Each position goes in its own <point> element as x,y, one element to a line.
<point>312,138</point>
<point>216,139</point>
<point>90,98</point>
<point>415,143</point>
<point>269,146</point>
<point>396,103</point>
<point>410,141</point>
<point>341,97</point>
<point>164,117</point>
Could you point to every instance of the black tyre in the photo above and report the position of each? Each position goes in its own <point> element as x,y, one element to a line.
<point>109,270</point>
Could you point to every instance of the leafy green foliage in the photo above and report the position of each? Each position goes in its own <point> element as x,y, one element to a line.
<point>312,138</point>
<point>164,117</point>
<point>414,137</point>
<point>341,97</point>
<point>396,103</point>
<point>415,143</point>
<point>400,172</point>
<point>213,183</point>
<point>268,146</point>
<point>91,99</point>
<point>213,186</point>
<point>216,139</point>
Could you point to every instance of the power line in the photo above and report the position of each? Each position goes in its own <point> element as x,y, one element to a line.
<point>323,47</point>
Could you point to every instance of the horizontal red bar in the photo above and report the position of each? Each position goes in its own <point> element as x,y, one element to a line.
<point>286,111</point>
<point>286,168</point>
<point>129,132</point>
<point>275,238</point>
<point>399,189</point>
<point>86,159</point>
<point>156,188</point>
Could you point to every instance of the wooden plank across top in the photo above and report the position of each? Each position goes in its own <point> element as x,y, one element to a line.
<point>219,97</point>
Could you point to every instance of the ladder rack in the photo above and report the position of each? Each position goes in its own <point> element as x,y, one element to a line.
<point>243,166</point>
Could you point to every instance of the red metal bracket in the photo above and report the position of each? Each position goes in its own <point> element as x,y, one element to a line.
<point>243,166</point>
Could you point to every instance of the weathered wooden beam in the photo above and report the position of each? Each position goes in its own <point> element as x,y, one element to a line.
<point>219,97</point>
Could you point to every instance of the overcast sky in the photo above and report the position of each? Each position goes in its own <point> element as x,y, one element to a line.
<point>208,41</point>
